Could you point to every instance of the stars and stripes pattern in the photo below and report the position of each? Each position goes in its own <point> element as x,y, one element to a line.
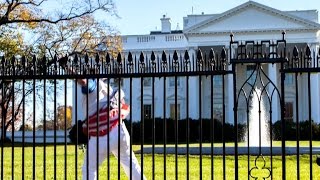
<point>99,124</point>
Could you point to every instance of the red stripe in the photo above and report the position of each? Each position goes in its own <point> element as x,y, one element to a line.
<point>112,117</point>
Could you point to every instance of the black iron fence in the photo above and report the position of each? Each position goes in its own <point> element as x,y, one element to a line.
<point>247,111</point>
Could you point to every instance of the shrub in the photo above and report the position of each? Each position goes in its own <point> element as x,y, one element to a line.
<point>211,130</point>
<point>291,130</point>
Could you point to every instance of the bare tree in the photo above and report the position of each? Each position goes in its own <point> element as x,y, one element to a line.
<point>31,12</point>
<point>12,98</point>
<point>66,28</point>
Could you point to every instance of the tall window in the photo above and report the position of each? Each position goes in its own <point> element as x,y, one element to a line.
<point>250,69</point>
<point>147,111</point>
<point>147,81</point>
<point>173,111</point>
<point>289,111</point>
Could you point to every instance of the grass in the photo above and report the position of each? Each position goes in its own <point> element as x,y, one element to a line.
<point>67,169</point>
<point>241,144</point>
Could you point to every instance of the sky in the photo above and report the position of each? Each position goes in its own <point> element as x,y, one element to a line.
<point>139,17</point>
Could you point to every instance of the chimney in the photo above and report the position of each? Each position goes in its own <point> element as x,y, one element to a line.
<point>165,24</point>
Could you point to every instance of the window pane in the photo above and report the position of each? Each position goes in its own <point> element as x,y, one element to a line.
<point>147,81</point>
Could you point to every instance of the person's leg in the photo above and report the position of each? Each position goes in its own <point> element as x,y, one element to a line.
<point>125,153</point>
<point>92,151</point>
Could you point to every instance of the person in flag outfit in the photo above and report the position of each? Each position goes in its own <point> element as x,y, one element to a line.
<point>105,109</point>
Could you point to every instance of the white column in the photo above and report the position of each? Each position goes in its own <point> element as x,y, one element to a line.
<point>272,73</point>
<point>314,91</point>
<point>193,90</point>
<point>230,104</point>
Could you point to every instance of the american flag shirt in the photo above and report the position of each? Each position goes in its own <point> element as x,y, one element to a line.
<point>101,123</point>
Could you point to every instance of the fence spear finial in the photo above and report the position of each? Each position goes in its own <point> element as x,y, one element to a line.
<point>119,58</point>
<point>283,34</point>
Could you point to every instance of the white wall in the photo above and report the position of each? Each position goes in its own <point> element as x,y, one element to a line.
<point>39,136</point>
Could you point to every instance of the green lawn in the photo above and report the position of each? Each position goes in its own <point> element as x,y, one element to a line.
<point>69,169</point>
<point>241,144</point>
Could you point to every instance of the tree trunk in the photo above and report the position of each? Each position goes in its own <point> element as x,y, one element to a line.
<point>5,127</point>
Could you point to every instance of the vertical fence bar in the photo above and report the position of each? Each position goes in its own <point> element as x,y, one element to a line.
<point>297,126</point>
<point>33,129</point>
<point>200,128</point>
<point>141,125</point>
<point>76,122</point>
<point>235,106</point>
<point>223,126</point>
<point>108,138</point>
<point>44,128</point>
<point>271,54</point>
<point>310,124</point>
<point>23,130</point>
<point>259,111</point>
<point>212,126</point>
<point>12,124</point>
<point>248,137</point>
<point>131,128</point>
<point>164,130</point>
<point>270,132</point>
<point>98,123</point>
<point>153,129</point>
<point>55,128</point>
<point>87,129</point>
<point>283,125</point>
<point>176,123</point>
<point>2,129</point>
<point>65,129</point>
<point>119,125</point>
<point>188,126</point>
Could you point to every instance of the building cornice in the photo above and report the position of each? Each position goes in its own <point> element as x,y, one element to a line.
<point>251,31</point>
<point>243,7</point>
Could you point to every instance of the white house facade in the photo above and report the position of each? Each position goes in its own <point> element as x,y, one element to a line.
<point>248,21</point>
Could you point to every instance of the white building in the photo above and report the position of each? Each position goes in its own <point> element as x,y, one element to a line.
<point>249,21</point>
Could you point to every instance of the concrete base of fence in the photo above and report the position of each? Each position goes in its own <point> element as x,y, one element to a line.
<point>231,150</point>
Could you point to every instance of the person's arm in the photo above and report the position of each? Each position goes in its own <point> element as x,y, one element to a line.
<point>82,82</point>
<point>87,85</point>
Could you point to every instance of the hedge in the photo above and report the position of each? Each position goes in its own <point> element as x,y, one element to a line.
<point>220,133</point>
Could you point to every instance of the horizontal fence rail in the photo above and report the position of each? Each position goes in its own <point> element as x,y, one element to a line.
<point>163,64</point>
